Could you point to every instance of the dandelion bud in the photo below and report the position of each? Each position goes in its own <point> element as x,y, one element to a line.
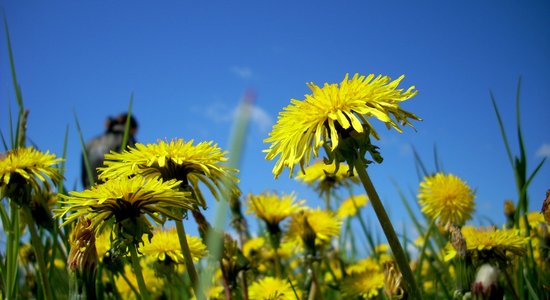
<point>509,212</point>
<point>486,282</point>
<point>546,207</point>
<point>393,287</point>
<point>82,260</point>
<point>457,240</point>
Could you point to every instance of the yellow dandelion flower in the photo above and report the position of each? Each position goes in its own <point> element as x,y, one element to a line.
<point>27,166</point>
<point>366,285</point>
<point>271,288</point>
<point>305,126</point>
<point>325,224</point>
<point>273,208</point>
<point>491,242</point>
<point>127,201</point>
<point>368,264</point>
<point>154,284</point>
<point>325,178</point>
<point>349,207</point>
<point>165,246</point>
<point>192,164</point>
<point>446,198</point>
<point>103,245</point>
<point>253,246</point>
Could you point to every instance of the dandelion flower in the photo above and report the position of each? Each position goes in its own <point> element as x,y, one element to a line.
<point>325,225</point>
<point>349,207</point>
<point>165,246</point>
<point>27,166</point>
<point>177,159</point>
<point>325,178</point>
<point>273,208</point>
<point>126,201</point>
<point>271,288</point>
<point>366,285</point>
<point>446,198</point>
<point>491,243</point>
<point>333,112</point>
<point>126,288</point>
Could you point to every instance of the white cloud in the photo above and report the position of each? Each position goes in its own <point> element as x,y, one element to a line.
<point>261,118</point>
<point>544,150</point>
<point>220,113</point>
<point>243,72</point>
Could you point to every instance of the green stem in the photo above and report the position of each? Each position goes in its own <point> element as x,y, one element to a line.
<point>189,265</point>
<point>389,232</point>
<point>423,249</point>
<point>139,274</point>
<point>365,231</point>
<point>38,252</point>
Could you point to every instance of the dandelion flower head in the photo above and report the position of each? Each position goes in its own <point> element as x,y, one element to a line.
<point>349,207</point>
<point>491,243</point>
<point>327,177</point>
<point>446,198</point>
<point>177,159</point>
<point>165,246</point>
<point>366,285</point>
<point>273,208</point>
<point>325,225</point>
<point>126,201</point>
<point>271,288</point>
<point>24,166</point>
<point>332,110</point>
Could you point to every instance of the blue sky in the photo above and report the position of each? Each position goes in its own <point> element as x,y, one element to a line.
<point>188,64</point>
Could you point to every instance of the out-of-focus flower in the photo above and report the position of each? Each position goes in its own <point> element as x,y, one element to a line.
<point>177,159</point>
<point>271,288</point>
<point>332,113</point>
<point>349,207</point>
<point>325,225</point>
<point>491,243</point>
<point>126,201</point>
<point>446,198</point>
<point>326,178</point>
<point>366,285</point>
<point>273,208</point>
<point>27,166</point>
<point>154,284</point>
<point>165,246</point>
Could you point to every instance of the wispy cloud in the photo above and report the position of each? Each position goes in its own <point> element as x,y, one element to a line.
<point>221,113</point>
<point>261,118</point>
<point>243,72</point>
<point>544,150</point>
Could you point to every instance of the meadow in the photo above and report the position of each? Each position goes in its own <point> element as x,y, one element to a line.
<point>125,236</point>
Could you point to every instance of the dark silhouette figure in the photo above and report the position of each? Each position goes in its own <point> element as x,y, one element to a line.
<point>103,144</point>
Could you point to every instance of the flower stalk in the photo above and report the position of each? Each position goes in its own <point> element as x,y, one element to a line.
<point>389,232</point>
<point>139,274</point>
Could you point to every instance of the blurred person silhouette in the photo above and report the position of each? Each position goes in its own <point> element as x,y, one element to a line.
<point>111,139</point>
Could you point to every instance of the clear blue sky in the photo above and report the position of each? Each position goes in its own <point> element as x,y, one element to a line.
<point>189,62</point>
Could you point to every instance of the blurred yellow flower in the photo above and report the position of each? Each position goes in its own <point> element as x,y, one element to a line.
<point>325,178</point>
<point>27,166</point>
<point>165,246</point>
<point>271,288</point>
<point>273,208</point>
<point>446,198</point>
<point>491,242</point>
<point>305,126</point>
<point>349,207</point>
<point>366,285</point>
<point>127,201</point>
<point>325,224</point>
<point>128,289</point>
<point>180,160</point>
